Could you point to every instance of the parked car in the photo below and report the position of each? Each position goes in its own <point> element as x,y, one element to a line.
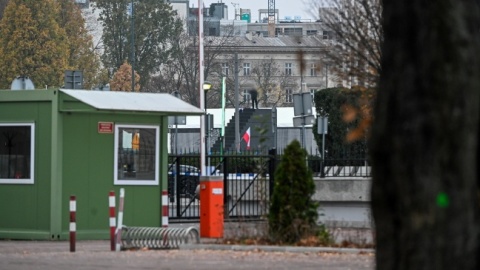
<point>187,180</point>
<point>184,169</point>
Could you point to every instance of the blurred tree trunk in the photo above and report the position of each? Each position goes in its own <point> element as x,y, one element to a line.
<point>425,149</point>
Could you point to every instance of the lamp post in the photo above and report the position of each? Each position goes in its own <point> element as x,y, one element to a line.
<point>200,86</point>
<point>207,86</point>
<point>133,46</point>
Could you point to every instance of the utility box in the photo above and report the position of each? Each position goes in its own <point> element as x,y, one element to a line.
<point>211,206</point>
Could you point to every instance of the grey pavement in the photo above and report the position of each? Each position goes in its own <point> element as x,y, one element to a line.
<point>52,255</point>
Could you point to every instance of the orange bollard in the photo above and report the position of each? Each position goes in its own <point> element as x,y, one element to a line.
<point>211,206</point>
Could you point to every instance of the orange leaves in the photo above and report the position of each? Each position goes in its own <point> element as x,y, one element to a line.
<point>363,113</point>
<point>122,79</point>
<point>41,39</point>
<point>349,113</point>
<point>32,43</point>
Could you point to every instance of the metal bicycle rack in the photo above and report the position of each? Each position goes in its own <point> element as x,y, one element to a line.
<point>158,238</point>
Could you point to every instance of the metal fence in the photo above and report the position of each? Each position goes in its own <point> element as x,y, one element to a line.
<point>247,184</point>
<point>339,167</point>
<point>248,181</point>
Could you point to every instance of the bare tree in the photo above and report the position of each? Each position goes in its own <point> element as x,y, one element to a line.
<point>271,81</point>
<point>225,67</point>
<point>180,73</point>
<point>356,34</point>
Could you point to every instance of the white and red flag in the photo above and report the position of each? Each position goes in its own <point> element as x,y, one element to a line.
<point>246,138</point>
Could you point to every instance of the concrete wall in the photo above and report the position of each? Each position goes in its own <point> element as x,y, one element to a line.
<point>344,202</point>
<point>342,189</point>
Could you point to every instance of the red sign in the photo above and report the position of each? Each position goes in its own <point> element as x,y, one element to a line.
<point>105,127</point>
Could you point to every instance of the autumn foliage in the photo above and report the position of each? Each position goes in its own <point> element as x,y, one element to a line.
<point>122,79</point>
<point>349,119</point>
<point>42,39</point>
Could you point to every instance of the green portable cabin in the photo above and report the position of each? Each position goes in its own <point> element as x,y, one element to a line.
<point>58,143</point>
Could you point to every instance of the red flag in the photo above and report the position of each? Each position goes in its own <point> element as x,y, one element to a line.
<point>246,138</point>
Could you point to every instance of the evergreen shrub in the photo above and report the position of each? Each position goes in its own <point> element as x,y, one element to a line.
<point>293,214</point>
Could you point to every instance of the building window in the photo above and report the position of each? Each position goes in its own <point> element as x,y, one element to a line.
<point>327,35</point>
<point>246,96</point>
<point>288,68</point>
<point>288,95</point>
<point>293,32</point>
<point>212,31</point>
<point>313,70</point>
<point>225,69</point>
<point>136,155</point>
<point>311,32</point>
<point>246,69</point>
<point>17,152</point>
<point>278,32</point>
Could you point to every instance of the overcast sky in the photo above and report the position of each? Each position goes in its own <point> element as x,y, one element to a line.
<point>286,7</point>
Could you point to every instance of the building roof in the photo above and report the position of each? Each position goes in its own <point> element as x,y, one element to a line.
<point>139,102</point>
<point>253,42</point>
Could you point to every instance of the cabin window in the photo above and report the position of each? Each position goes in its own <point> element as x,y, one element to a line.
<point>136,155</point>
<point>17,149</point>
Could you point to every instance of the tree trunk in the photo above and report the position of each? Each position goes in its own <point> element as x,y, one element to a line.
<point>424,144</point>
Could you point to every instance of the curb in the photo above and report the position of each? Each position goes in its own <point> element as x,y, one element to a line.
<point>292,249</point>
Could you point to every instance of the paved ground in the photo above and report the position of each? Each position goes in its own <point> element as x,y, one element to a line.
<point>23,255</point>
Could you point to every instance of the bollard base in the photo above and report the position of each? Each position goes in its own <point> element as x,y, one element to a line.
<point>211,207</point>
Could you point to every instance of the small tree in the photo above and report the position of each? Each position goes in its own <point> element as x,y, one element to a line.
<point>122,79</point>
<point>293,213</point>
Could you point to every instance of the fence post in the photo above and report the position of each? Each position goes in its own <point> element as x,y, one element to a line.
<point>271,169</point>
<point>322,168</point>
<point>225,188</point>
<point>178,187</point>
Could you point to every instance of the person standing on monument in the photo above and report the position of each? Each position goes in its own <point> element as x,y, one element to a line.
<point>253,95</point>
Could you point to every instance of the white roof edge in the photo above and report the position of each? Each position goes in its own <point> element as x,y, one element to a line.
<point>139,102</point>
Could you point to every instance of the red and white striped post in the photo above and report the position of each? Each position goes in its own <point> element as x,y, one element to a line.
<point>120,219</point>
<point>73,222</point>
<point>113,223</point>
<point>165,208</point>
<point>165,215</point>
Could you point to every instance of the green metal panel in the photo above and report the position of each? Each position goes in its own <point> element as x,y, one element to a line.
<point>25,209</point>
<point>88,164</point>
<point>22,96</point>
<point>72,157</point>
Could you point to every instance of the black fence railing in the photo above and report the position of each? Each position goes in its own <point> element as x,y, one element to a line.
<point>339,167</point>
<point>248,181</point>
<point>247,184</point>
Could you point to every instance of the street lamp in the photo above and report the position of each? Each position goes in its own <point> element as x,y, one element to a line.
<point>206,86</point>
